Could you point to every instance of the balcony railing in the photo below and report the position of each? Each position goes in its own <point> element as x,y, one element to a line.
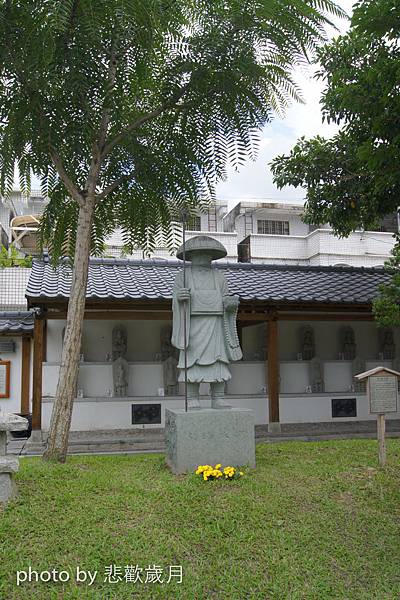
<point>370,248</point>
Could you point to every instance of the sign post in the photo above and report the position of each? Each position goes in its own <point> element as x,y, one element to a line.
<point>382,399</point>
<point>381,439</point>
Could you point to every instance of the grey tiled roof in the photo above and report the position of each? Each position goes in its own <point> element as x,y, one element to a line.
<point>152,279</point>
<point>16,322</point>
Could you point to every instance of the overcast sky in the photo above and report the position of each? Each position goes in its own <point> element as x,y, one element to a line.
<point>254,180</point>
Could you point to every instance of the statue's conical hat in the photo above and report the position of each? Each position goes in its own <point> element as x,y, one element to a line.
<point>202,243</point>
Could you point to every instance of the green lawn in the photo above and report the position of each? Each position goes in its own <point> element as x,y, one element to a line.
<point>313,521</point>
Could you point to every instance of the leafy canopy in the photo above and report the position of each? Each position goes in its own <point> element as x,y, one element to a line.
<point>141,103</point>
<point>353,178</point>
<point>386,306</point>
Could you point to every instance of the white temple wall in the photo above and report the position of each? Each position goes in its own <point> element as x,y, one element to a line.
<point>144,343</point>
<point>247,388</point>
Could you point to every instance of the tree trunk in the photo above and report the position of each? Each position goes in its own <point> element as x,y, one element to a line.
<point>57,443</point>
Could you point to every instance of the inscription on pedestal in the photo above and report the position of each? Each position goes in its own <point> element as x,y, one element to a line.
<point>146,414</point>
<point>344,407</point>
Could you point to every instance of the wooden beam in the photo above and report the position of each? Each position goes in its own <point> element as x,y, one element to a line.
<point>273,370</point>
<point>37,374</point>
<point>255,318</point>
<point>25,374</point>
<point>325,317</point>
<point>109,315</point>
<point>250,318</point>
<point>259,307</point>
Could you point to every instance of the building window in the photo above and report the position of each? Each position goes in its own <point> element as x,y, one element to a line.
<point>194,224</point>
<point>273,227</point>
<point>212,219</point>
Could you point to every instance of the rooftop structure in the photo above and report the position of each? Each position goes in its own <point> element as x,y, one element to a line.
<point>19,220</point>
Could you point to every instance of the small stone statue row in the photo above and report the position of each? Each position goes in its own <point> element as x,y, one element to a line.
<point>317,376</point>
<point>169,357</point>
<point>347,343</point>
<point>120,365</point>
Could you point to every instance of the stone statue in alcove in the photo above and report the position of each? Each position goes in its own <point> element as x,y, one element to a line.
<point>316,375</point>
<point>169,357</point>
<point>119,342</point>
<point>357,367</point>
<point>262,342</point>
<point>347,343</point>
<point>120,376</point>
<point>120,364</point>
<point>387,346</point>
<point>307,343</point>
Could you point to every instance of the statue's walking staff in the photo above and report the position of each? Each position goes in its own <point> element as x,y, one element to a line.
<point>184,308</point>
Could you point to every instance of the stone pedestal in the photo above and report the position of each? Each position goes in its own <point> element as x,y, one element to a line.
<point>8,464</point>
<point>274,428</point>
<point>36,444</point>
<point>209,436</point>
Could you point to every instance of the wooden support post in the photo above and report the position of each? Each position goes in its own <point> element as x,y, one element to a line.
<point>273,375</point>
<point>380,421</point>
<point>37,374</point>
<point>45,339</point>
<point>25,374</point>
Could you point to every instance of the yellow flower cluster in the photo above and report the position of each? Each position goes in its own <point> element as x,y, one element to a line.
<point>210,472</point>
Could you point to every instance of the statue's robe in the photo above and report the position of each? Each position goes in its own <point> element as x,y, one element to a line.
<point>212,341</point>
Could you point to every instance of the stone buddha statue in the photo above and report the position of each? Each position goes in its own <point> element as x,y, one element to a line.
<point>307,343</point>
<point>211,334</point>
<point>120,364</point>
<point>169,357</point>
<point>388,348</point>
<point>348,344</point>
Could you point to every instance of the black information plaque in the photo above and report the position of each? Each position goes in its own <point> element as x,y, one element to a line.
<point>146,414</point>
<point>344,407</point>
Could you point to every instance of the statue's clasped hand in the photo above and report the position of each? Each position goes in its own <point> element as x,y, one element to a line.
<point>231,302</point>
<point>184,295</point>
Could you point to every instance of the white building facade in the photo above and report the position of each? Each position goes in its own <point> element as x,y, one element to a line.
<point>257,232</point>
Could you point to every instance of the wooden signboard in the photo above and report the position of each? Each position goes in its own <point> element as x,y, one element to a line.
<point>382,398</point>
<point>5,378</point>
<point>382,394</point>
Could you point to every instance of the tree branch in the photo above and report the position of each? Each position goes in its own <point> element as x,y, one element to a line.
<point>67,181</point>
<point>110,188</point>
<point>98,145</point>
<point>172,103</point>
